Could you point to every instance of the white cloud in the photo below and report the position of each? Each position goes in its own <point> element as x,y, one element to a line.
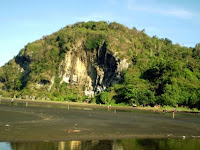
<point>181,13</point>
<point>154,7</point>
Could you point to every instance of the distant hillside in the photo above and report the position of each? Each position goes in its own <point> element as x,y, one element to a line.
<point>106,62</point>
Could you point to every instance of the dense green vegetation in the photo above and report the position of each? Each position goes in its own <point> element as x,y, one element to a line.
<point>159,73</point>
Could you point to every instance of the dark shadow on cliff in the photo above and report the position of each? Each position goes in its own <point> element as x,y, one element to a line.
<point>24,62</point>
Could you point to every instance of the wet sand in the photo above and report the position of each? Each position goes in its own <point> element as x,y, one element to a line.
<point>48,121</point>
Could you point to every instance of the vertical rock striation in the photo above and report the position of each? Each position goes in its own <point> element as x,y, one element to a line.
<point>91,71</point>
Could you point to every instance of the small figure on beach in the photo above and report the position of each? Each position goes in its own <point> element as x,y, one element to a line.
<point>12,101</point>
<point>164,111</point>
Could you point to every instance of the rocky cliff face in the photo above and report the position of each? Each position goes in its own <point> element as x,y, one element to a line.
<point>80,59</point>
<point>91,71</point>
<point>88,57</point>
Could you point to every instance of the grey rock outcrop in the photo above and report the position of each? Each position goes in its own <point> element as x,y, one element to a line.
<point>91,71</point>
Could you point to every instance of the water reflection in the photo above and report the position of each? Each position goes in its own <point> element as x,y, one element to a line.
<point>125,144</point>
<point>5,146</point>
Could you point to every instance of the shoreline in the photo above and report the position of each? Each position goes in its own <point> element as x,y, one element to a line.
<point>165,109</point>
<point>113,137</point>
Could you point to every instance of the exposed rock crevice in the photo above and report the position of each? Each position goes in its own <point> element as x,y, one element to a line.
<point>92,71</point>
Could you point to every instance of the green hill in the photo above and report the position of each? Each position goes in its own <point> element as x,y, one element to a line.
<point>106,62</point>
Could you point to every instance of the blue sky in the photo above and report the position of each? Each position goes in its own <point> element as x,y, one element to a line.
<point>24,21</point>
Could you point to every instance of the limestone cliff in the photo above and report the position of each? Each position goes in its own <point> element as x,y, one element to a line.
<point>92,71</point>
<point>83,59</point>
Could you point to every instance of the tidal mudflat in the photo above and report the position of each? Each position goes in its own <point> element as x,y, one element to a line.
<point>37,121</point>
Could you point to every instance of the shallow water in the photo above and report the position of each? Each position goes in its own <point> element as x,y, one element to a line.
<point>123,144</point>
<point>78,126</point>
